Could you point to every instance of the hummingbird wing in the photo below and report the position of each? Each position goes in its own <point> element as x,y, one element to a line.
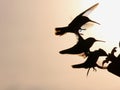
<point>102,52</point>
<point>89,10</point>
<point>82,16</point>
<point>76,48</point>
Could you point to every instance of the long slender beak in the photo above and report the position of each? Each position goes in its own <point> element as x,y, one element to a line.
<point>100,41</point>
<point>95,22</point>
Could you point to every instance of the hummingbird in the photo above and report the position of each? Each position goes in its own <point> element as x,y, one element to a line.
<point>91,61</point>
<point>77,22</point>
<point>82,46</point>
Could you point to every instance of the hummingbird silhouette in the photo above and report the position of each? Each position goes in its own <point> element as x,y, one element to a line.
<point>82,46</point>
<point>77,23</point>
<point>91,61</point>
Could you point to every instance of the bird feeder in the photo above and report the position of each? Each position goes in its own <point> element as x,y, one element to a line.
<point>114,68</point>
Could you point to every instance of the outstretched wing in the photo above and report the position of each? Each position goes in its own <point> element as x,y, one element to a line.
<point>74,49</point>
<point>89,10</point>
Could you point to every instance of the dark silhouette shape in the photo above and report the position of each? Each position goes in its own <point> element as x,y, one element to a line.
<point>82,46</point>
<point>91,60</point>
<point>77,23</point>
<point>114,66</point>
<point>110,57</point>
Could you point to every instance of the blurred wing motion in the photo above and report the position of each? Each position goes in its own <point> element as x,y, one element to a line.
<point>89,10</point>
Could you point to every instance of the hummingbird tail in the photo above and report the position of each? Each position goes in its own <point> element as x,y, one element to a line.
<point>60,30</point>
<point>78,66</point>
<point>62,52</point>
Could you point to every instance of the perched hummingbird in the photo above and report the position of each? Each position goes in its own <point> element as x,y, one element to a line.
<point>77,23</point>
<point>82,46</point>
<point>91,60</point>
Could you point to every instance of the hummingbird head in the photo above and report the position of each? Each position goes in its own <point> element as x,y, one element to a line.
<point>91,40</point>
<point>85,19</point>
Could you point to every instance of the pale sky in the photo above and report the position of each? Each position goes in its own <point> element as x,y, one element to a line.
<point>29,49</point>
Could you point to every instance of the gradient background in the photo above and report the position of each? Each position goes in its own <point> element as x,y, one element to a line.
<point>29,58</point>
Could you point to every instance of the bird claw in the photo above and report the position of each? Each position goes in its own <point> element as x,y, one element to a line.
<point>82,29</point>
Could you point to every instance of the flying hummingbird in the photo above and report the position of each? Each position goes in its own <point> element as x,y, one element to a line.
<point>77,23</point>
<point>82,46</point>
<point>91,61</point>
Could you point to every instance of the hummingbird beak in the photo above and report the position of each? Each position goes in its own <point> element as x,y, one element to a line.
<point>100,41</point>
<point>95,22</point>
